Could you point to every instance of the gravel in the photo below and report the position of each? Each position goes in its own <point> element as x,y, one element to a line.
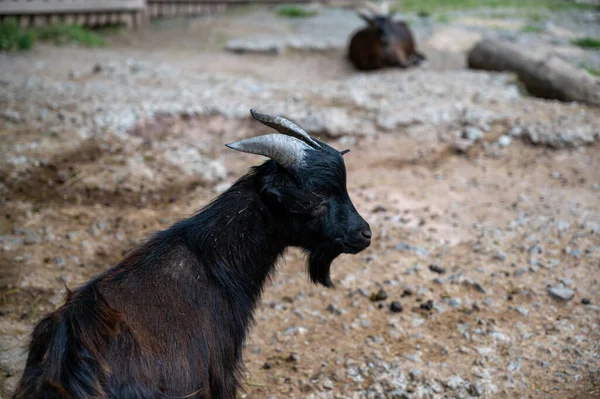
<point>561,293</point>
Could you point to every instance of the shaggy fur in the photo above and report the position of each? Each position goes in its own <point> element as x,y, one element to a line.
<point>171,318</point>
<point>383,43</point>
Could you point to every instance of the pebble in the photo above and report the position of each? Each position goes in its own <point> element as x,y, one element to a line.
<point>327,384</point>
<point>334,309</point>
<point>500,256</point>
<point>504,141</point>
<point>12,116</point>
<point>437,269</point>
<point>561,293</point>
<point>396,307</point>
<point>586,301</point>
<point>32,237</point>
<point>472,133</point>
<point>427,305</point>
<point>380,295</point>
<point>522,310</point>
<point>454,302</point>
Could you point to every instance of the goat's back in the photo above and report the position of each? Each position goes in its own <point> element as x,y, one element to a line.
<point>365,51</point>
<point>131,335</point>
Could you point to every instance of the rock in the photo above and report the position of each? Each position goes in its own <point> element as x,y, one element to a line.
<point>256,45</point>
<point>12,116</point>
<point>472,133</point>
<point>396,307</point>
<point>500,256</point>
<point>504,141</point>
<point>454,382</point>
<point>463,145</point>
<point>454,302</point>
<point>522,310</point>
<point>476,389</point>
<point>32,238</point>
<point>48,235</point>
<point>437,269</point>
<point>334,309</point>
<point>427,305</point>
<point>292,358</point>
<point>586,301</point>
<point>561,293</point>
<point>380,295</point>
<point>327,384</point>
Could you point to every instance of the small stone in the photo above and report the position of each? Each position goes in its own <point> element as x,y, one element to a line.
<point>60,261</point>
<point>463,145</point>
<point>454,302</point>
<point>586,301</point>
<point>396,307</point>
<point>327,384</point>
<point>406,292</point>
<point>427,305</point>
<point>266,366</point>
<point>472,133</point>
<point>561,293</point>
<point>500,256</point>
<point>454,382</point>
<point>12,116</point>
<point>381,295</point>
<point>504,141</point>
<point>292,358</point>
<point>522,310</point>
<point>437,269</point>
<point>477,389</point>
<point>334,309</point>
<point>32,238</point>
<point>365,323</point>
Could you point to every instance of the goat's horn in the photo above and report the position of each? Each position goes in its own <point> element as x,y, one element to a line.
<point>284,126</point>
<point>285,150</point>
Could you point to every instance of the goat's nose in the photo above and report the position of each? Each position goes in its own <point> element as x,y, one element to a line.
<point>366,234</point>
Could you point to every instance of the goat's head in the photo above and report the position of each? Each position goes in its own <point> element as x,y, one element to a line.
<point>305,186</point>
<point>379,20</point>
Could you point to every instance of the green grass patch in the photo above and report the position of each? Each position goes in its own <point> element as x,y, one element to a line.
<point>532,29</point>
<point>443,18</point>
<point>295,12</point>
<point>431,6</point>
<point>592,71</point>
<point>587,42</point>
<point>64,34</point>
<point>12,37</point>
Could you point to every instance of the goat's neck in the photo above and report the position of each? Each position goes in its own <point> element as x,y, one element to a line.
<point>238,240</point>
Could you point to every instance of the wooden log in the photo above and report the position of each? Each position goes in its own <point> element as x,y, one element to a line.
<point>550,78</point>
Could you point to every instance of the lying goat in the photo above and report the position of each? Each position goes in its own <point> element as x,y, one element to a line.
<point>383,43</point>
<point>170,319</point>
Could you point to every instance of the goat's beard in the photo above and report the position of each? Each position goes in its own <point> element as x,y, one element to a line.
<point>319,264</point>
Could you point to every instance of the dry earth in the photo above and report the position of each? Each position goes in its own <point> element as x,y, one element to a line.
<point>484,203</point>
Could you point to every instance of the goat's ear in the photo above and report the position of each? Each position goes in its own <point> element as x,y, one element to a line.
<point>365,17</point>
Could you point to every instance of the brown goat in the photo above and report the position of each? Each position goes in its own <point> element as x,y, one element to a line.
<point>383,42</point>
<point>170,320</point>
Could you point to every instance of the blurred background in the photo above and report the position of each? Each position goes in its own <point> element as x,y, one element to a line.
<point>474,156</point>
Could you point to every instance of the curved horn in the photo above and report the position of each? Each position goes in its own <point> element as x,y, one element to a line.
<point>285,150</point>
<point>284,126</point>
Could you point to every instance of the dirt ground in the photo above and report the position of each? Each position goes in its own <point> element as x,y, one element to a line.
<point>471,243</point>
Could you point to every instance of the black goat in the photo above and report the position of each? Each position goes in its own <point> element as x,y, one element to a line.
<point>383,42</point>
<point>170,319</point>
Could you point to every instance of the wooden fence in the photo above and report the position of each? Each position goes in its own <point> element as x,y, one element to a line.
<point>105,12</point>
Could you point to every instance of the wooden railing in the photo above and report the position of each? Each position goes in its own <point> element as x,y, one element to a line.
<point>104,12</point>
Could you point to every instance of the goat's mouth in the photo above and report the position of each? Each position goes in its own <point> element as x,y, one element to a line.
<point>354,248</point>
